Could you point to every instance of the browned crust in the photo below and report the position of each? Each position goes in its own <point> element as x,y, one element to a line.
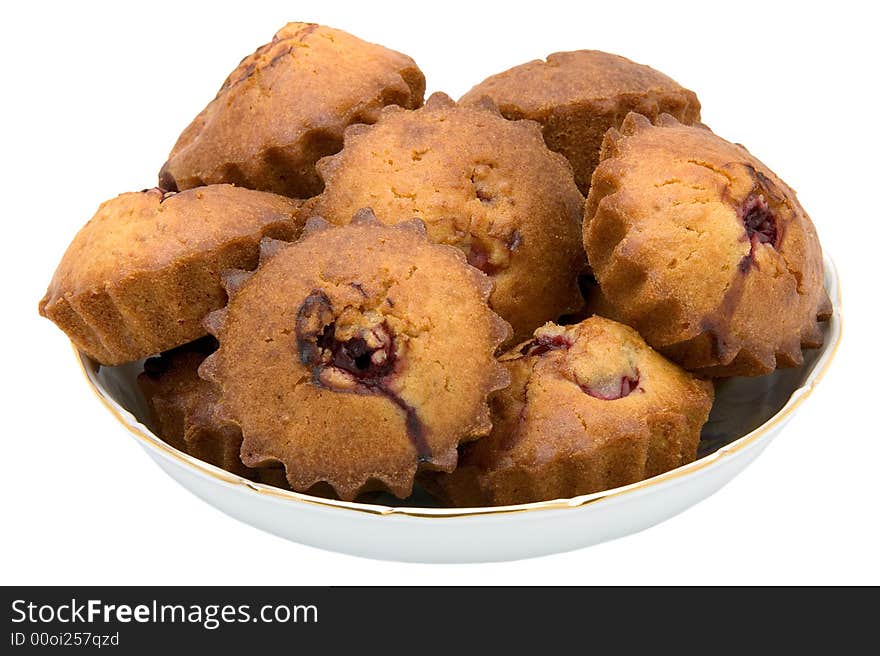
<point>277,151</point>
<point>347,474</point>
<point>551,440</point>
<point>577,96</point>
<point>148,308</point>
<point>487,186</point>
<point>182,409</point>
<point>769,308</point>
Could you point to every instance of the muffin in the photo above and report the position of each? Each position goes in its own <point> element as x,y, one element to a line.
<point>144,271</point>
<point>577,96</point>
<point>483,184</point>
<point>181,406</point>
<point>182,410</point>
<point>590,407</point>
<point>704,250</point>
<point>356,356</point>
<point>285,106</point>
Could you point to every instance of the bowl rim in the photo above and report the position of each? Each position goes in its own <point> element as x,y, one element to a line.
<point>151,441</point>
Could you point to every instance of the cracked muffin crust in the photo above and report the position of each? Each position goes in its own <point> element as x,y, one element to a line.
<point>182,408</point>
<point>285,106</point>
<point>356,356</point>
<point>704,250</point>
<point>483,184</point>
<point>139,277</point>
<point>590,407</point>
<point>577,96</point>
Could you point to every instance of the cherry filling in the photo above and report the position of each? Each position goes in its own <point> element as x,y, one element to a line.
<point>759,220</point>
<point>489,256</point>
<point>365,361</point>
<point>313,317</point>
<point>626,387</point>
<point>760,224</point>
<point>478,257</point>
<point>368,355</point>
<point>360,364</point>
<point>546,342</point>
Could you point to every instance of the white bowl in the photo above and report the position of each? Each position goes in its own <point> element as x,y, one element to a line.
<point>748,413</point>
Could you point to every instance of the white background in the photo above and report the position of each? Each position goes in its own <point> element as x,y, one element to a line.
<point>94,96</point>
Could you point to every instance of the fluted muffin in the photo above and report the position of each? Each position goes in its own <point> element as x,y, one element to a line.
<point>483,184</point>
<point>590,407</point>
<point>285,106</point>
<point>576,96</point>
<point>357,356</point>
<point>182,409</point>
<point>140,276</point>
<point>704,250</point>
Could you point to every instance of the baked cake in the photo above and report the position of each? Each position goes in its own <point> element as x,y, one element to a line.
<point>356,356</point>
<point>704,250</point>
<point>285,106</point>
<point>144,271</point>
<point>577,96</point>
<point>590,407</point>
<point>483,184</point>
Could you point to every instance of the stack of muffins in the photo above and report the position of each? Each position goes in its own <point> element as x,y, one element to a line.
<point>521,296</point>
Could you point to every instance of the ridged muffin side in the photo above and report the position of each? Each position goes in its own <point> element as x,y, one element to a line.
<point>139,277</point>
<point>576,96</point>
<point>285,106</point>
<point>590,407</point>
<point>486,185</point>
<point>356,356</point>
<point>704,250</point>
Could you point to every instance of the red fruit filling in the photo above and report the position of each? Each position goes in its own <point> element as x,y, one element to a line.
<point>759,221</point>
<point>355,356</point>
<point>367,360</point>
<point>544,343</point>
<point>480,255</point>
<point>627,386</point>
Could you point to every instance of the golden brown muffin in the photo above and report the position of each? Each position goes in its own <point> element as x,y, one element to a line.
<point>590,407</point>
<point>182,408</point>
<point>577,96</point>
<point>356,356</point>
<point>703,250</point>
<point>481,183</point>
<point>143,272</point>
<point>285,106</point>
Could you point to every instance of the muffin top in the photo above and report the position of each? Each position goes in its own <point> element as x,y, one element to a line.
<point>572,77</point>
<point>483,184</point>
<point>590,406</point>
<point>356,356</point>
<point>140,276</point>
<point>703,249</point>
<point>152,229</point>
<point>285,106</point>
<point>577,96</point>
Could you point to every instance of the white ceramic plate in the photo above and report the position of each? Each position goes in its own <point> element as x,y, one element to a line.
<point>747,414</point>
